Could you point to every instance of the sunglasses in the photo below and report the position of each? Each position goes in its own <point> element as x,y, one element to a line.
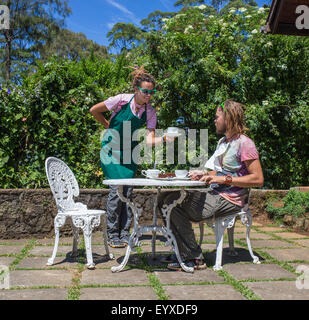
<point>221,107</point>
<point>146,91</point>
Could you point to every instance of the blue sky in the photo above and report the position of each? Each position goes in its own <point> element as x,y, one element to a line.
<point>96,18</point>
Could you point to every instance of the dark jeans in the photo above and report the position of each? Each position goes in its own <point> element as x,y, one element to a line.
<point>119,215</point>
<point>196,207</point>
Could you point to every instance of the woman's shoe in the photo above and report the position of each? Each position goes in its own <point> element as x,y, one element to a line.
<point>116,243</point>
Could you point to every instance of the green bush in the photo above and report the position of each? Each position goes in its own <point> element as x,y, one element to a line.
<point>199,61</point>
<point>295,203</point>
<point>49,116</point>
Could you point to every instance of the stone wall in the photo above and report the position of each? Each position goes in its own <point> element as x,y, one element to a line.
<point>30,213</point>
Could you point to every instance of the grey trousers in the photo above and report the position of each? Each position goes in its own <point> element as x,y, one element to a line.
<point>119,215</point>
<point>196,207</point>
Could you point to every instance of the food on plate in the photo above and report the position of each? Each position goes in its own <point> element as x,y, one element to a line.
<point>167,175</point>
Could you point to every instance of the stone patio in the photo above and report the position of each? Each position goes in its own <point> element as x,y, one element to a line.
<point>280,251</point>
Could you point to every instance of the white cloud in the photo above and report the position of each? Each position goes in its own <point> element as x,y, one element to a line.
<point>124,10</point>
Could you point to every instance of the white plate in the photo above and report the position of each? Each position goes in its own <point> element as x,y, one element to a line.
<point>169,178</point>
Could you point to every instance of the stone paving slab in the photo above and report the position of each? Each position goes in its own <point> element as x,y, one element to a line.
<point>4,249</point>
<point>243,230</point>
<point>159,248</point>
<point>269,243</point>
<point>35,278</point>
<point>278,290</point>
<point>211,246</point>
<point>34,294</point>
<point>303,242</point>
<point>121,293</point>
<point>202,292</point>
<point>15,242</point>
<point>48,250</point>
<point>271,229</point>
<point>289,254</point>
<point>51,241</point>
<point>257,271</point>
<point>169,276</point>
<point>6,261</point>
<point>40,263</point>
<point>295,265</point>
<point>107,277</point>
<point>291,235</point>
<point>253,236</point>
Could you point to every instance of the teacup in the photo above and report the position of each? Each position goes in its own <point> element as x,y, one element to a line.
<point>172,131</point>
<point>181,173</point>
<point>152,173</point>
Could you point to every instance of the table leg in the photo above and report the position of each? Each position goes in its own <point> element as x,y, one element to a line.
<point>133,240</point>
<point>154,223</point>
<point>166,211</point>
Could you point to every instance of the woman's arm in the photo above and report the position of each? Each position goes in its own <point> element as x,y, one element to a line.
<point>255,177</point>
<point>97,110</point>
<point>152,140</point>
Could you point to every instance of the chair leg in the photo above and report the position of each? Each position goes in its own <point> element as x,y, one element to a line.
<point>219,231</point>
<point>256,259</point>
<point>105,237</point>
<point>201,225</point>
<point>87,229</point>
<point>230,233</point>
<point>59,221</point>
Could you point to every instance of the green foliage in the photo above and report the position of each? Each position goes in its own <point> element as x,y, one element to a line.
<point>199,60</point>
<point>32,23</point>
<point>49,116</point>
<point>295,203</point>
<point>71,45</point>
<point>124,36</point>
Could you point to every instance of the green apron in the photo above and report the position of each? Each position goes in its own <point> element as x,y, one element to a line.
<point>114,144</point>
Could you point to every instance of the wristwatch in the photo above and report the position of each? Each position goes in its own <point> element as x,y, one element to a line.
<point>228,179</point>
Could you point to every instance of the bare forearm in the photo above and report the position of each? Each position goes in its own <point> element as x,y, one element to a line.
<point>248,181</point>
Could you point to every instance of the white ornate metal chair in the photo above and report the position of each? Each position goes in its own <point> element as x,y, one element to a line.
<point>64,186</point>
<point>220,224</point>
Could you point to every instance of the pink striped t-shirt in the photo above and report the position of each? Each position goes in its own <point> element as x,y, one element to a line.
<point>115,103</point>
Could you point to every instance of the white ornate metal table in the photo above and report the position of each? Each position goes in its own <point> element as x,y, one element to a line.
<point>166,211</point>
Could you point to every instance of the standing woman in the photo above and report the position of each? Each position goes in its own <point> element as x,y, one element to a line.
<point>136,109</point>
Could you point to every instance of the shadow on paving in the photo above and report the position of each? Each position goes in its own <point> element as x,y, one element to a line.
<point>243,255</point>
<point>68,259</point>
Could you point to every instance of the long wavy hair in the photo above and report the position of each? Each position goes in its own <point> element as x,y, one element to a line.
<point>234,116</point>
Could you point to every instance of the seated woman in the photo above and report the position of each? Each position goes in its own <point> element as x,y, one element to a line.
<point>235,167</point>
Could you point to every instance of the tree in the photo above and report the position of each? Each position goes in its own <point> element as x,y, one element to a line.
<point>237,4</point>
<point>74,46</point>
<point>188,3</point>
<point>32,22</point>
<point>124,36</point>
<point>154,21</point>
